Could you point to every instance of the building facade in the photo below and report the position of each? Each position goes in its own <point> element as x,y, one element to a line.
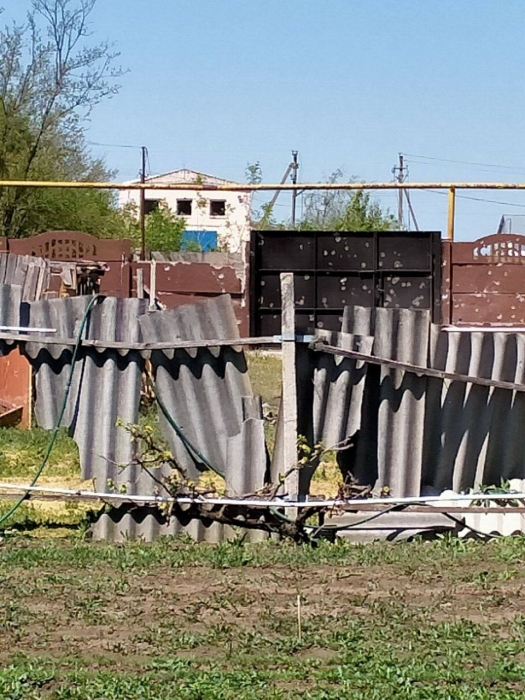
<point>216,220</point>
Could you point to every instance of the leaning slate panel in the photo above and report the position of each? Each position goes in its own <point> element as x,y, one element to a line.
<point>202,389</point>
<point>106,383</point>
<point>11,312</point>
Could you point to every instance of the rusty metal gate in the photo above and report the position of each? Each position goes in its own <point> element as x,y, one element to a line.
<point>399,269</point>
<point>486,279</point>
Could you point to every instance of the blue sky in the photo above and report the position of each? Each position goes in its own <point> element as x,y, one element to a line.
<point>215,84</point>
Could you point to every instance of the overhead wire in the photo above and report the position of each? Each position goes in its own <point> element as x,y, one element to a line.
<point>475,199</point>
<point>465,162</point>
<point>112,145</point>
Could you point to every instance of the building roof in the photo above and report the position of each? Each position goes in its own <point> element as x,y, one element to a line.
<point>187,176</point>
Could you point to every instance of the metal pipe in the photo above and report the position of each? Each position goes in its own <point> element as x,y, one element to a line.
<point>266,187</point>
<point>166,345</point>
<point>274,503</point>
<point>451,213</point>
<point>295,166</point>
<point>143,206</point>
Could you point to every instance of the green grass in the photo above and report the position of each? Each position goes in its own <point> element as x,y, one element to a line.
<point>265,376</point>
<point>174,620</point>
<point>22,452</point>
<point>265,372</point>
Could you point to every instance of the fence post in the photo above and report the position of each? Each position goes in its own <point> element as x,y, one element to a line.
<point>152,284</point>
<point>451,213</point>
<point>289,401</point>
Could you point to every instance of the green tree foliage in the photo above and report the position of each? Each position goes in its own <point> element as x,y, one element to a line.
<point>326,210</point>
<point>51,77</point>
<point>343,210</point>
<point>164,230</point>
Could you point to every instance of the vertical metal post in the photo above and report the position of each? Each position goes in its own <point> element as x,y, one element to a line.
<point>143,206</point>
<point>295,167</point>
<point>451,213</point>
<point>289,398</point>
<point>401,179</point>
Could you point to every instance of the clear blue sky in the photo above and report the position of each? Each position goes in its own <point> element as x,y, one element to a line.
<point>215,84</point>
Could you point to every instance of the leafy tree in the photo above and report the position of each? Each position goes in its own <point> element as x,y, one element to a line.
<point>263,217</point>
<point>326,210</point>
<point>51,78</point>
<point>253,173</point>
<point>164,230</point>
<point>343,210</point>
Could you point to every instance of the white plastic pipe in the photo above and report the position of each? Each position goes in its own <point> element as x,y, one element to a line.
<point>447,497</point>
<point>24,329</point>
<point>483,329</point>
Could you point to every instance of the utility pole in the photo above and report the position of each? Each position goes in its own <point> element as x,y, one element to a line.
<point>400,173</point>
<point>143,205</point>
<point>295,168</point>
<point>290,170</point>
<point>411,211</point>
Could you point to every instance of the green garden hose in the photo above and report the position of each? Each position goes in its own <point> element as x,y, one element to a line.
<point>51,444</point>
<point>192,450</point>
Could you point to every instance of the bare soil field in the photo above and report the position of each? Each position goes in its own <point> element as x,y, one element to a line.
<point>174,620</point>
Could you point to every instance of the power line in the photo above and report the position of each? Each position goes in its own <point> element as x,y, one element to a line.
<point>477,199</point>
<point>480,169</point>
<point>465,162</point>
<point>111,145</point>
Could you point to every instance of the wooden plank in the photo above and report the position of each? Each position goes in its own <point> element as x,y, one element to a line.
<point>119,345</point>
<point>289,401</point>
<point>319,346</point>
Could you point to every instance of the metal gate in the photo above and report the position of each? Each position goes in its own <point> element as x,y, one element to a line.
<point>400,269</point>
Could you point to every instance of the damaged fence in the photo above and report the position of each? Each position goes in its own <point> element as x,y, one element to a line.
<point>450,418</point>
<point>205,392</point>
<point>411,409</point>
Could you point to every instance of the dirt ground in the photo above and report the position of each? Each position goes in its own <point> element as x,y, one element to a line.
<point>114,611</point>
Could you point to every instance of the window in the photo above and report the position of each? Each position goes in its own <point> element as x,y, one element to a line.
<point>184,207</point>
<point>151,205</point>
<point>218,207</point>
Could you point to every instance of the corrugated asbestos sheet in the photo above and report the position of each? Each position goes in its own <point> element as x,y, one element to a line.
<point>335,420</point>
<point>213,258</point>
<point>11,309</point>
<point>398,430</point>
<point>206,391</point>
<point>476,435</point>
<point>122,524</point>
<point>391,526</point>
<point>203,390</point>
<point>421,435</point>
<point>329,398</point>
<point>106,384</point>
